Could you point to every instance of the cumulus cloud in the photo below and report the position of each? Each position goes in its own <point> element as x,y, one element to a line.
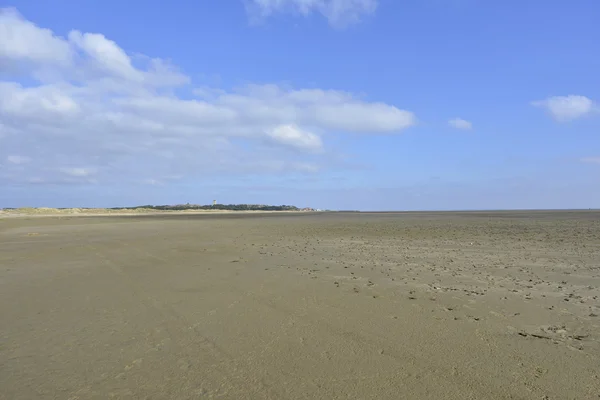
<point>88,108</point>
<point>460,123</point>
<point>566,108</point>
<point>291,135</point>
<point>23,40</point>
<point>339,13</point>
<point>105,54</point>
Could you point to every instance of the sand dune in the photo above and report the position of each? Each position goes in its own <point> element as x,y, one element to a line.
<point>88,212</point>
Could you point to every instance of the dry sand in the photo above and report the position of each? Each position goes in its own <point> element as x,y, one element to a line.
<point>89,212</point>
<point>320,306</point>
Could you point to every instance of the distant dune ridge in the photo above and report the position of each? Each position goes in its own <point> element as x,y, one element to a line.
<point>69,211</point>
<point>186,208</point>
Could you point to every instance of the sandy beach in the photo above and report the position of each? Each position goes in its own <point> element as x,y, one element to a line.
<point>472,305</point>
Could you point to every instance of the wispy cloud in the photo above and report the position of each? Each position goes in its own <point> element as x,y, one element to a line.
<point>14,159</point>
<point>77,171</point>
<point>460,123</point>
<point>339,13</point>
<point>591,160</point>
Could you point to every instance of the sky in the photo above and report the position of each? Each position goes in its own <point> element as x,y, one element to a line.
<point>332,104</point>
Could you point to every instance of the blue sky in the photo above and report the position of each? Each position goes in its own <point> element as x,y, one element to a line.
<point>342,104</point>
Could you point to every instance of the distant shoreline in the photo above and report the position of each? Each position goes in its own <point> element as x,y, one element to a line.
<point>27,212</point>
<point>99,212</point>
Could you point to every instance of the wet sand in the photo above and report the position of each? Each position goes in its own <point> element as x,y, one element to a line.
<point>488,305</point>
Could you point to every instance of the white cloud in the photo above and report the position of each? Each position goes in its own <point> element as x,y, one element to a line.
<point>150,181</point>
<point>291,135</point>
<point>77,171</point>
<point>104,113</point>
<point>105,54</point>
<point>14,159</point>
<point>339,13</point>
<point>460,123</point>
<point>566,108</point>
<point>591,160</point>
<point>47,103</point>
<point>21,39</point>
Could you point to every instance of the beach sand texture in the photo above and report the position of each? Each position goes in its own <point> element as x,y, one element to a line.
<point>478,305</point>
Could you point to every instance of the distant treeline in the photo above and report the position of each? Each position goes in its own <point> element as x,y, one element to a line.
<point>230,207</point>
